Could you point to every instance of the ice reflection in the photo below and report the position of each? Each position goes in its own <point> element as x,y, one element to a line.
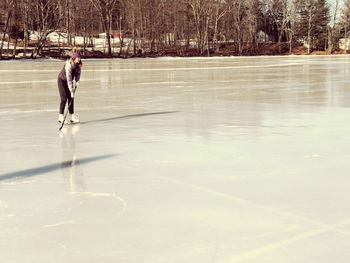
<point>71,169</point>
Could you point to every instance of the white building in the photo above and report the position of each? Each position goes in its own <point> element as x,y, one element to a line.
<point>262,37</point>
<point>344,43</point>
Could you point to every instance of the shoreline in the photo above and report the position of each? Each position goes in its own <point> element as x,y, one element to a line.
<point>229,50</point>
<point>46,58</point>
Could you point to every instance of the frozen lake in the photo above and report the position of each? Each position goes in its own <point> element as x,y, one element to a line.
<point>194,160</point>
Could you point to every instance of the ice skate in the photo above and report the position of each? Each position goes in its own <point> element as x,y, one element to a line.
<point>61,119</point>
<point>74,119</point>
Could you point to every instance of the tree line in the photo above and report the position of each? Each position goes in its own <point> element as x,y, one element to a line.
<point>206,26</point>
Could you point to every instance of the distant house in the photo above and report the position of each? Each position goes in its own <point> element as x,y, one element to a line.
<point>305,43</point>
<point>102,35</point>
<point>169,37</point>
<point>116,35</point>
<point>262,37</point>
<point>126,34</point>
<point>344,43</point>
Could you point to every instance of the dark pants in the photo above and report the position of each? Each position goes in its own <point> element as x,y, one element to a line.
<point>65,95</point>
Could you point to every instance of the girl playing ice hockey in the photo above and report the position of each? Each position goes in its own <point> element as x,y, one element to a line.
<point>71,71</point>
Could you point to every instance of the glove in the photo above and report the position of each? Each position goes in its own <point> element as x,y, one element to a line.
<point>72,91</point>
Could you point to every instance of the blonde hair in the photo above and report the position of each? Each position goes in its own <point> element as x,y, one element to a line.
<point>75,49</point>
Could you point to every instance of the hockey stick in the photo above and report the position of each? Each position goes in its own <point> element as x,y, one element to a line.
<point>65,115</point>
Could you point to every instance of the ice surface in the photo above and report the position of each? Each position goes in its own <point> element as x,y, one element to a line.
<point>177,160</point>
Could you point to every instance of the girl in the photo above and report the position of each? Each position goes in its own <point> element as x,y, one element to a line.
<point>71,71</point>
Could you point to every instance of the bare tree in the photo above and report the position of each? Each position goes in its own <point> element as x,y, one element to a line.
<point>7,6</point>
<point>218,13</point>
<point>25,7</point>
<point>14,33</point>
<point>178,10</point>
<point>332,28</point>
<point>279,11</point>
<point>130,19</point>
<point>237,21</point>
<point>293,7</point>
<point>45,21</point>
<point>253,10</point>
<point>105,9</point>
<point>159,24</point>
<point>201,10</point>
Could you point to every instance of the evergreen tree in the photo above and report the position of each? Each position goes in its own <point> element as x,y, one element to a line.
<point>314,19</point>
<point>321,20</point>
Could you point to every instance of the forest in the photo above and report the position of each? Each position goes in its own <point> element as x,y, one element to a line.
<point>173,27</point>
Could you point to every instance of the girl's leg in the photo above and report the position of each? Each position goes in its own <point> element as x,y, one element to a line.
<point>71,107</point>
<point>63,94</point>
